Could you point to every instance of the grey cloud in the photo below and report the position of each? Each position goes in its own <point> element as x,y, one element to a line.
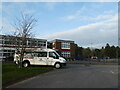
<point>97,33</point>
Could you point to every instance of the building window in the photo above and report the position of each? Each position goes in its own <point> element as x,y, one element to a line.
<point>1,41</point>
<point>65,45</point>
<point>41,43</point>
<point>66,54</point>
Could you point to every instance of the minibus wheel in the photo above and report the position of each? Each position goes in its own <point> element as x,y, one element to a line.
<point>25,64</point>
<point>57,65</point>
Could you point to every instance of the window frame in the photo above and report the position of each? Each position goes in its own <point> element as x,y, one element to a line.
<point>65,45</point>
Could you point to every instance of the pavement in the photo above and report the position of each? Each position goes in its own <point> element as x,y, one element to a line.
<point>74,76</point>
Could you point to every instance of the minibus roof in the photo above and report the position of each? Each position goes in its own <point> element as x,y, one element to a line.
<point>39,50</point>
<point>47,50</point>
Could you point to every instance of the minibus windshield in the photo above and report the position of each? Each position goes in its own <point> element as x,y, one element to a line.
<point>57,54</point>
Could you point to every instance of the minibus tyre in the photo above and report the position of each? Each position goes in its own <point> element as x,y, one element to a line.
<point>26,64</point>
<point>57,65</point>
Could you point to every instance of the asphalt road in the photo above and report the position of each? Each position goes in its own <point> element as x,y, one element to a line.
<point>74,76</point>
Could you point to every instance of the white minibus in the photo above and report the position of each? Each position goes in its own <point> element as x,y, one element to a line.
<point>41,57</point>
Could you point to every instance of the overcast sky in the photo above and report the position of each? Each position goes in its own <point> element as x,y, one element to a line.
<point>86,23</point>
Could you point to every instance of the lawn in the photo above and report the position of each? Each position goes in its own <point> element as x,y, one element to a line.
<point>12,74</point>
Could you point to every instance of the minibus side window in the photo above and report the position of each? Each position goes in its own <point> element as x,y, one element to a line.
<point>52,54</point>
<point>35,54</point>
<point>42,54</point>
<point>27,54</point>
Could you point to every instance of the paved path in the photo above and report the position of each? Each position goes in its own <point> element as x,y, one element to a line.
<point>74,76</point>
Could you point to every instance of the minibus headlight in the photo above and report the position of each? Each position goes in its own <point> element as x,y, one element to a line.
<point>64,60</point>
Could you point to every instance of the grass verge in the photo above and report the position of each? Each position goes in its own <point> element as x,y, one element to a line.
<point>12,74</point>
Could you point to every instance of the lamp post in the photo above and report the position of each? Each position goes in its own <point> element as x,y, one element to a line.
<point>91,53</point>
<point>117,51</point>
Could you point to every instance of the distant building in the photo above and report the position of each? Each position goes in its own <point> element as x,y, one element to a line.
<point>8,45</point>
<point>65,48</point>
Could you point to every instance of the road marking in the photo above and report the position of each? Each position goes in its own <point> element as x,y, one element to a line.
<point>115,72</point>
<point>112,72</point>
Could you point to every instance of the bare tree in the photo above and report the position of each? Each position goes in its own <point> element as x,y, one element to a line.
<point>23,27</point>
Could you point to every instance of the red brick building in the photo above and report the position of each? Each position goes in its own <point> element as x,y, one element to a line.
<point>65,48</point>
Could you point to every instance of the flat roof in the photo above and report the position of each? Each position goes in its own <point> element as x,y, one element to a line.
<point>60,40</point>
<point>27,38</point>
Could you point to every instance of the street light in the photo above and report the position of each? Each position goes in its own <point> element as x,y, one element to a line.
<point>91,54</point>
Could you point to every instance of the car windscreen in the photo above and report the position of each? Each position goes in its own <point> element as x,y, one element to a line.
<point>57,54</point>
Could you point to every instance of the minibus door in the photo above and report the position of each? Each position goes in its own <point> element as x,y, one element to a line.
<point>52,58</point>
<point>41,59</point>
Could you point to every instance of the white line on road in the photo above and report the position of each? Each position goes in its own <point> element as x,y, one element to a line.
<point>112,72</point>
